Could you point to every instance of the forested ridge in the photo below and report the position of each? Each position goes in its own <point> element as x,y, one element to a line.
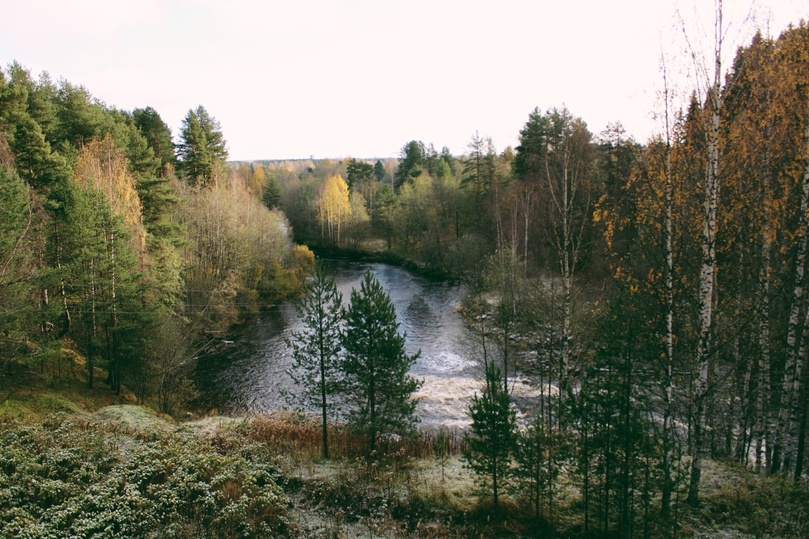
<point>651,293</point>
<point>118,247</point>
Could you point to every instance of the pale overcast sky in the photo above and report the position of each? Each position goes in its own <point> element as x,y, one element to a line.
<point>336,78</point>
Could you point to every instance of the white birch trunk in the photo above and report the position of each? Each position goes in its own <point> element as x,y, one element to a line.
<point>789,412</point>
<point>708,270</point>
<point>668,430</point>
<point>764,427</point>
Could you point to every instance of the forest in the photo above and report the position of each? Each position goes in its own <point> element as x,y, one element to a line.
<point>652,292</point>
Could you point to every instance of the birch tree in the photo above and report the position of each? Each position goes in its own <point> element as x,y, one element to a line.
<point>555,152</point>
<point>334,208</point>
<point>707,276</point>
<point>795,47</point>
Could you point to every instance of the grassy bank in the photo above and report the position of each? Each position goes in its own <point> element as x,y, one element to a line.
<point>89,463</point>
<point>123,471</point>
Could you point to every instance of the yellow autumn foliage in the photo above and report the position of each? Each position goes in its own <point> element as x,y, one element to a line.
<point>102,166</point>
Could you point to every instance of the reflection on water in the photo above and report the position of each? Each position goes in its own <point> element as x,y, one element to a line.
<point>250,374</point>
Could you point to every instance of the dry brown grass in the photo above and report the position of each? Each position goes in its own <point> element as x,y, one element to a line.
<point>301,436</point>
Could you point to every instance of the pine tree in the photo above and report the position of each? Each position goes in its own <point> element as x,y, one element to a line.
<point>16,218</point>
<point>536,449</point>
<point>316,348</point>
<point>358,172</point>
<point>473,175</point>
<point>411,164</point>
<point>376,386</point>
<point>492,437</point>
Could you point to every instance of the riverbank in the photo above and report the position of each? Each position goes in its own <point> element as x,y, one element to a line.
<point>374,252</point>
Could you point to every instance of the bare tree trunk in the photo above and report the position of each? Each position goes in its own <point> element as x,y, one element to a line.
<point>515,227</point>
<point>525,198</point>
<point>668,427</point>
<point>790,434</point>
<point>563,202</point>
<point>804,417</point>
<point>708,271</point>
<point>62,293</point>
<point>91,327</point>
<point>763,425</point>
<point>498,217</point>
<point>114,360</point>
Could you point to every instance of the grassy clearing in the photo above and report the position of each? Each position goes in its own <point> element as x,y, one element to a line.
<point>90,463</point>
<point>125,471</point>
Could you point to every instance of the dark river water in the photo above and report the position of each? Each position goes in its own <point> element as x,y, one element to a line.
<point>250,375</point>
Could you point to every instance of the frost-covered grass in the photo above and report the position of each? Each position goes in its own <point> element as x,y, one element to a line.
<point>125,471</point>
<point>739,504</point>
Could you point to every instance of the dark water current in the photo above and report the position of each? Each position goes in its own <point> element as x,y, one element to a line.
<point>250,375</point>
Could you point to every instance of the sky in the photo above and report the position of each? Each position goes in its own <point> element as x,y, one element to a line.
<point>336,78</point>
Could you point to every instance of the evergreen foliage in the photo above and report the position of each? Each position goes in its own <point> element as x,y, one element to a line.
<point>358,172</point>
<point>97,255</point>
<point>594,262</point>
<point>492,436</point>
<point>379,171</point>
<point>202,151</point>
<point>271,192</point>
<point>316,348</point>
<point>16,263</point>
<point>536,469</point>
<point>412,163</point>
<point>158,136</point>
<point>376,388</point>
<point>73,478</point>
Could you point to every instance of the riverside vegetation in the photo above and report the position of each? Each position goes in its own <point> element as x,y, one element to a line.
<point>652,296</point>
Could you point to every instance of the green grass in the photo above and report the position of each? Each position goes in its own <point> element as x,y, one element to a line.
<point>37,391</point>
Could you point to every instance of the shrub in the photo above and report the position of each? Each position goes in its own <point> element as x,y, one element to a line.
<point>65,477</point>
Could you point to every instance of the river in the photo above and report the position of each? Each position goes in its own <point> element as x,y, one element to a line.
<point>249,374</point>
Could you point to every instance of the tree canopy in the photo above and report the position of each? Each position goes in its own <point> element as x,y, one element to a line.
<point>202,150</point>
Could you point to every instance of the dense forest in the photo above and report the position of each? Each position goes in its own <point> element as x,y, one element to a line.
<point>119,249</point>
<point>652,293</point>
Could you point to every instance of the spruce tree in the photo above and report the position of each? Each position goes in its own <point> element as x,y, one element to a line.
<point>379,171</point>
<point>202,149</point>
<point>271,191</point>
<point>376,386</point>
<point>157,134</point>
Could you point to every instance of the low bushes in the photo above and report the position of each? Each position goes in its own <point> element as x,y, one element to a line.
<point>71,477</point>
